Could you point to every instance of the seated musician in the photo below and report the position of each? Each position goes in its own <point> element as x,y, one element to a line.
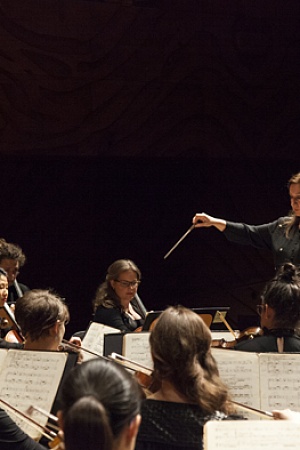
<point>279,314</point>
<point>190,389</point>
<point>42,316</point>
<point>100,407</point>
<point>115,303</point>
<point>4,318</point>
<point>12,259</point>
<point>100,404</point>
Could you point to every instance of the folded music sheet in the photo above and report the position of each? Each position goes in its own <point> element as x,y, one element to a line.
<point>251,434</point>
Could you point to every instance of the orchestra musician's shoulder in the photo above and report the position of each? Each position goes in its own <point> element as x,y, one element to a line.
<point>13,438</point>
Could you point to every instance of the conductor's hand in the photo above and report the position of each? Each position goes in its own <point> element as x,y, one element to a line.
<point>201,220</point>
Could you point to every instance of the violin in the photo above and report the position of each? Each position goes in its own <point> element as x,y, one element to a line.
<point>8,320</point>
<point>239,336</point>
<point>248,333</point>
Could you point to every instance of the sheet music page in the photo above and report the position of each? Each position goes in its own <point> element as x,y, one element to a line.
<point>94,339</point>
<point>3,353</point>
<point>280,381</point>
<point>136,347</point>
<point>31,378</point>
<point>240,372</point>
<point>251,435</point>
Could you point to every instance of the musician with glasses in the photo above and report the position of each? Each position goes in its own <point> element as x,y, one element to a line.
<point>279,314</point>
<point>116,302</point>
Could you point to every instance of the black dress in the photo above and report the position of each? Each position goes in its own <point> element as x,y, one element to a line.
<point>171,426</point>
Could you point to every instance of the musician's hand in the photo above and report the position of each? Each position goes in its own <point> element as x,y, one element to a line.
<point>204,220</point>
<point>75,340</point>
<point>286,414</point>
<point>61,444</point>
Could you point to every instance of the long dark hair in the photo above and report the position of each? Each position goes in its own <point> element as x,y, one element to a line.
<point>98,399</point>
<point>180,344</point>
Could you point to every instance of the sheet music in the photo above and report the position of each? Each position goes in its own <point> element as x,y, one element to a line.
<point>253,434</point>
<point>31,378</point>
<point>136,347</point>
<point>3,353</point>
<point>240,372</point>
<point>94,339</point>
<point>280,381</point>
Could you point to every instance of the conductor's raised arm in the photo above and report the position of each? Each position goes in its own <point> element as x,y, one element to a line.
<point>204,220</point>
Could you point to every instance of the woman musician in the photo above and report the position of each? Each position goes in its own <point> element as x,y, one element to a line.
<point>116,303</point>
<point>190,391</point>
<point>7,319</point>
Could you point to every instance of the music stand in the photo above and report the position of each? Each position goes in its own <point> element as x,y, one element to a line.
<point>209,315</point>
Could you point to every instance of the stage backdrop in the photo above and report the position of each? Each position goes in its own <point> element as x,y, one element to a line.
<point>121,119</point>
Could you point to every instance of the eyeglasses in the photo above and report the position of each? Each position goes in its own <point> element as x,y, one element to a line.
<point>259,309</point>
<point>127,284</point>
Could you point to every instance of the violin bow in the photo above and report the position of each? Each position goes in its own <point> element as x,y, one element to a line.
<point>67,344</point>
<point>226,324</point>
<point>49,434</point>
<point>253,410</point>
<point>180,240</point>
<point>129,364</point>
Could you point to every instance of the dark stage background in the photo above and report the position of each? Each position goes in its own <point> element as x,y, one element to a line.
<point>121,119</point>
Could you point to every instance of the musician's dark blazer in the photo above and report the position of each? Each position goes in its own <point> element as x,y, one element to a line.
<point>114,317</point>
<point>270,236</point>
<point>265,344</point>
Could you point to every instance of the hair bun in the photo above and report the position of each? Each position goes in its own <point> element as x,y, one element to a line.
<point>289,273</point>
